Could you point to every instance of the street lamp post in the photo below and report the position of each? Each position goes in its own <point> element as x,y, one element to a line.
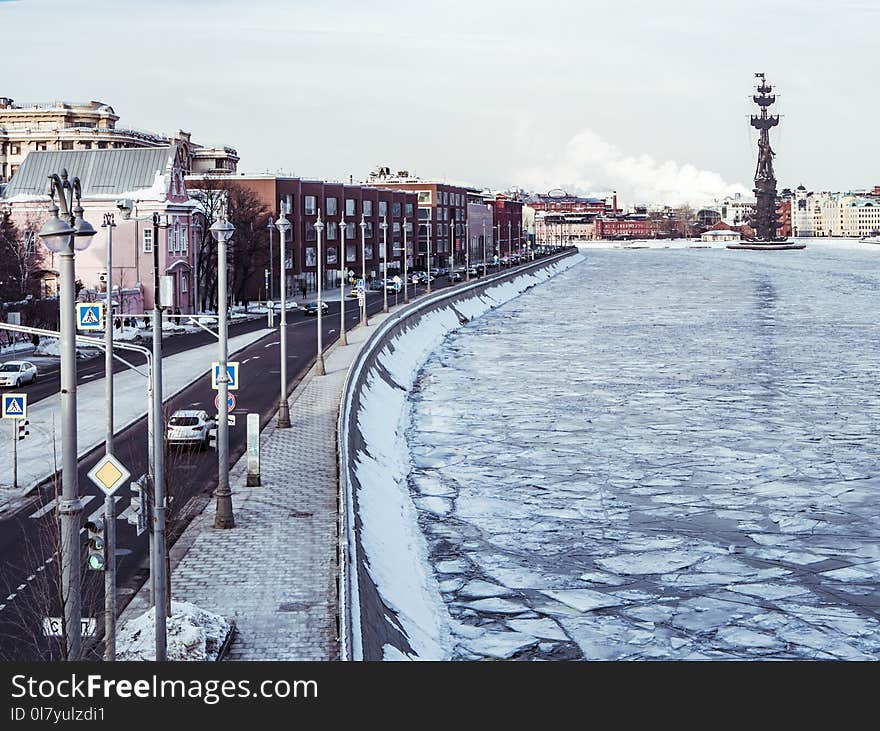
<point>222,230</point>
<point>66,237</point>
<point>405,261</point>
<point>283,229</point>
<point>429,257</point>
<point>319,363</point>
<point>384,228</point>
<point>509,244</point>
<point>467,252</point>
<point>270,294</point>
<point>363,225</point>
<point>109,502</point>
<point>343,337</point>
<point>484,247</point>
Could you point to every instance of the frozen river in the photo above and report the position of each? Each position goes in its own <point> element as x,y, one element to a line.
<point>661,454</point>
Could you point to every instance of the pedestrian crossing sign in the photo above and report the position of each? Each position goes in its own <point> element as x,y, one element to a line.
<point>14,405</point>
<point>89,316</point>
<point>231,375</point>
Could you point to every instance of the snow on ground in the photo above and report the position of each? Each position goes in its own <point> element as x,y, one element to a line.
<point>194,634</point>
<point>395,547</point>
<point>659,455</point>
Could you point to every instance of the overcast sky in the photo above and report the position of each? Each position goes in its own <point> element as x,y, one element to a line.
<point>650,99</point>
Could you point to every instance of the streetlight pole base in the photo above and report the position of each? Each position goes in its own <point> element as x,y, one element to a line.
<point>283,415</point>
<point>319,366</point>
<point>343,338</point>
<point>224,518</point>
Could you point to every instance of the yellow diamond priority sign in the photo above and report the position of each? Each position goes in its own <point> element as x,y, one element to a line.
<point>109,474</point>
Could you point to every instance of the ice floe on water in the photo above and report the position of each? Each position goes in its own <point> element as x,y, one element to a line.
<point>658,455</point>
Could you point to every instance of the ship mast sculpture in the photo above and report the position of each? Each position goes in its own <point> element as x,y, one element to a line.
<point>764,220</point>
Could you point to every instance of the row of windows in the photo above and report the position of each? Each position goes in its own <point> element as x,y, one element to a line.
<point>444,198</point>
<point>331,207</point>
<point>178,240</point>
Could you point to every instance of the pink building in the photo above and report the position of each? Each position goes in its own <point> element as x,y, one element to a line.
<point>150,180</point>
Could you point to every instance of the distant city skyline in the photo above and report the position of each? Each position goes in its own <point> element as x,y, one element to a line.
<point>498,94</point>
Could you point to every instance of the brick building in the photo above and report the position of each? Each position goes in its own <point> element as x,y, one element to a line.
<point>442,213</point>
<point>342,207</point>
<point>572,204</point>
<point>507,218</point>
<point>626,227</point>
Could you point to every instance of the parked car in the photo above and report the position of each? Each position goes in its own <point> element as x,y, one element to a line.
<point>189,427</point>
<point>312,308</point>
<point>17,372</point>
<point>442,271</point>
<point>456,276</point>
<point>375,285</point>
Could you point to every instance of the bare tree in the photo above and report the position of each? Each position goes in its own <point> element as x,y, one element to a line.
<point>19,256</point>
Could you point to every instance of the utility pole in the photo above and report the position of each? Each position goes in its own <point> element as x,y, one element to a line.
<point>319,361</point>
<point>159,578</point>
<point>109,501</point>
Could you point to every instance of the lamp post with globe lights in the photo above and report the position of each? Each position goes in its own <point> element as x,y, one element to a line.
<point>319,363</point>
<point>222,231</point>
<point>283,226</point>
<point>363,225</point>
<point>66,236</point>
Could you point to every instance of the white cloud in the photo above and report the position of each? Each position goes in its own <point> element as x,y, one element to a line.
<point>590,164</point>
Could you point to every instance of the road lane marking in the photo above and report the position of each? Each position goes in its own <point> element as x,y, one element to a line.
<point>85,500</point>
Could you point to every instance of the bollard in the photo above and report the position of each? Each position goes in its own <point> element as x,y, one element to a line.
<point>253,450</point>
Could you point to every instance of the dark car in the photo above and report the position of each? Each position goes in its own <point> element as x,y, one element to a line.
<point>312,308</point>
<point>456,276</point>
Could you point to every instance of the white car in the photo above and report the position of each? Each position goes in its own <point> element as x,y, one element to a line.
<point>17,372</point>
<point>189,426</point>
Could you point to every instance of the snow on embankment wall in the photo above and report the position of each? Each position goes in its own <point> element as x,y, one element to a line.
<point>391,605</point>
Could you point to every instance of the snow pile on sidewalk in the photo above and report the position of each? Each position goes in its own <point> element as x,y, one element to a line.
<point>395,548</point>
<point>193,634</point>
<point>52,347</point>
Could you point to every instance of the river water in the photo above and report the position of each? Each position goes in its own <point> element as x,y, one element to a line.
<point>664,453</point>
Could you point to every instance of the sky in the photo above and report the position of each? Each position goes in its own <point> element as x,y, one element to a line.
<point>649,99</point>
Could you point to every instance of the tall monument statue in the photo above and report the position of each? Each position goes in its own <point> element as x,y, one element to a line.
<point>764,220</point>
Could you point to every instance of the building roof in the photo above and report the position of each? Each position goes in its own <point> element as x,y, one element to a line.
<point>101,173</point>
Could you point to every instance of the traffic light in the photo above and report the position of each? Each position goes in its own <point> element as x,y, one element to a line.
<point>97,546</point>
<point>22,431</point>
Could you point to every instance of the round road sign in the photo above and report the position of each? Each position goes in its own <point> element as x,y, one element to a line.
<point>230,402</point>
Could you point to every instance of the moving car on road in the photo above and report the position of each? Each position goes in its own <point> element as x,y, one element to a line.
<point>312,308</point>
<point>188,426</point>
<point>17,372</point>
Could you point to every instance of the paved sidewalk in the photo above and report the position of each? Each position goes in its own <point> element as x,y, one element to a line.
<point>276,572</point>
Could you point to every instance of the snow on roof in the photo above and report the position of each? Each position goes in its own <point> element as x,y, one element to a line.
<point>137,173</point>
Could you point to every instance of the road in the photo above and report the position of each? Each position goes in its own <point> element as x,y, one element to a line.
<point>27,539</point>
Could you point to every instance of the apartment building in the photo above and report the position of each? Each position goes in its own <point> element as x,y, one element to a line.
<point>70,126</point>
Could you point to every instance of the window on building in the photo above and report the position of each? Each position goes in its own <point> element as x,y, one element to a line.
<point>383,208</point>
<point>288,203</point>
<point>332,230</point>
<point>350,253</point>
<point>424,214</point>
<point>67,144</point>
<point>148,240</point>
<point>369,230</point>
<point>87,145</point>
<point>409,210</point>
<point>14,149</point>
<point>350,207</point>
<point>218,164</point>
<point>396,229</point>
<point>368,208</point>
<point>102,145</point>
<point>311,233</point>
<point>395,210</point>
<point>310,206</point>
<point>41,145</point>
<point>425,197</point>
<point>349,230</point>
<point>184,283</point>
<point>184,239</point>
<point>331,206</point>
<point>409,227</point>
<point>171,238</point>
